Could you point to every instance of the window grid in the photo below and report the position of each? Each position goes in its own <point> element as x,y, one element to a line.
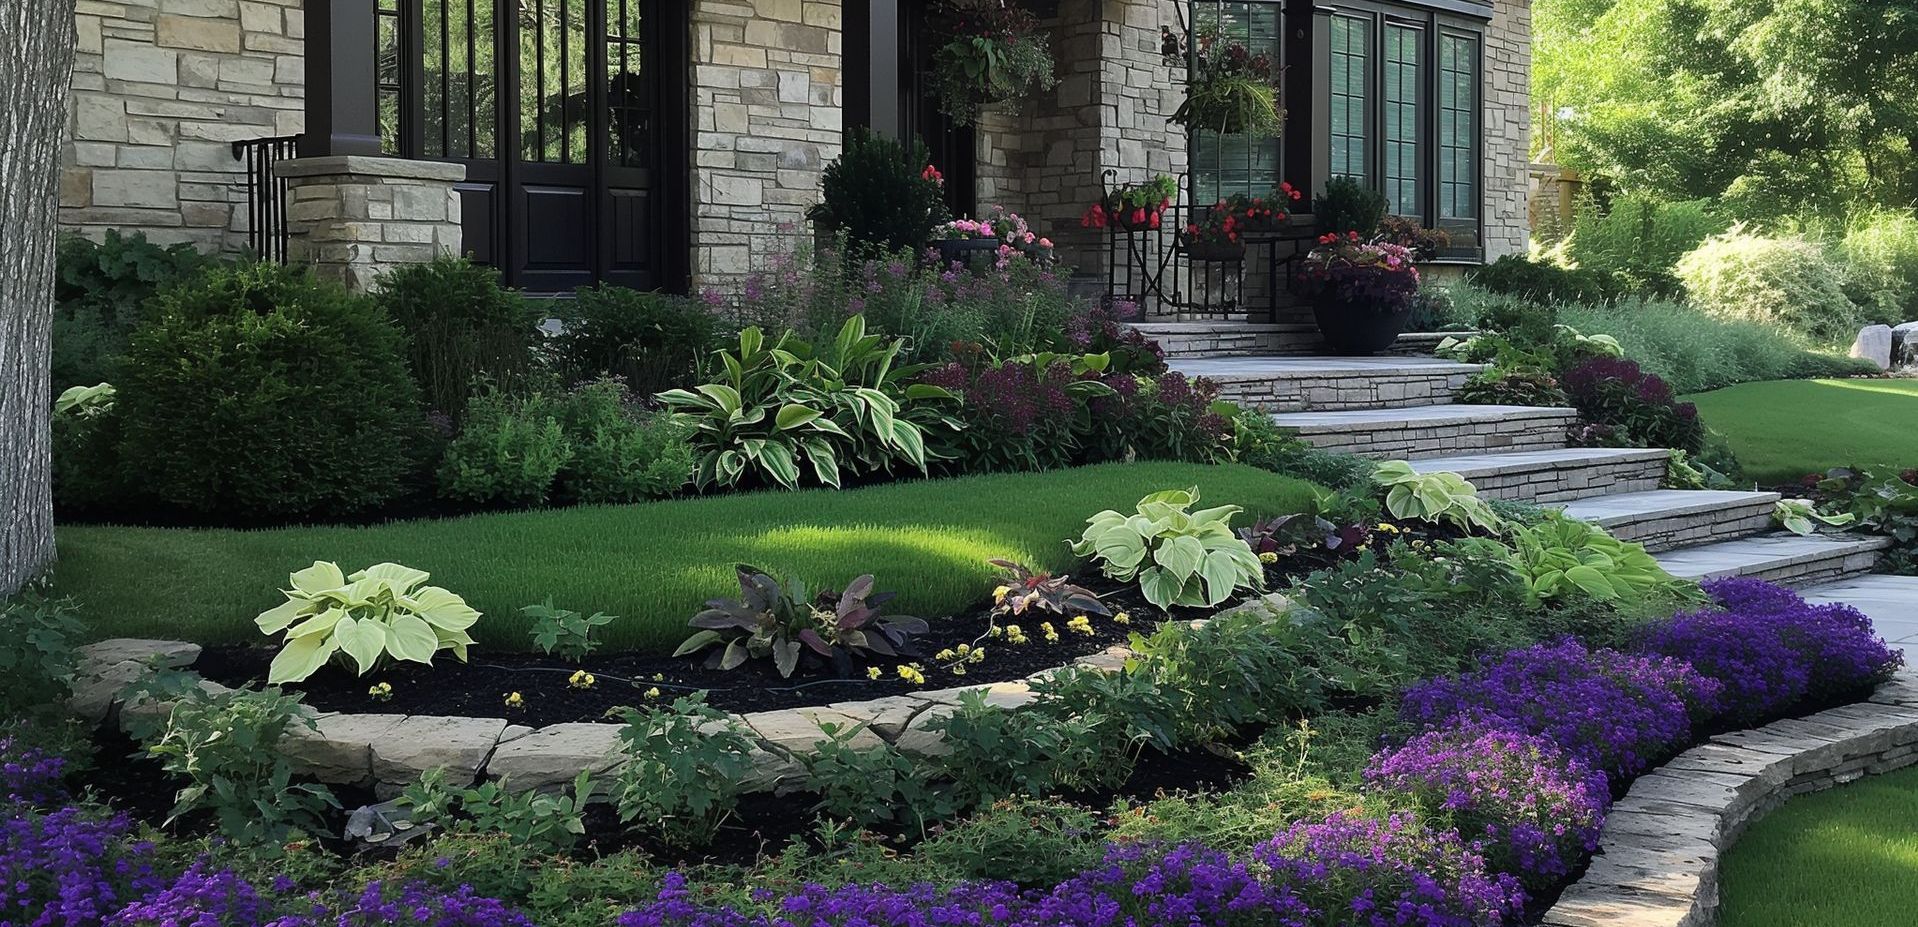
<point>1223,165</point>
<point>1351,55</point>
<point>1457,106</point>
<point>1401,102</point>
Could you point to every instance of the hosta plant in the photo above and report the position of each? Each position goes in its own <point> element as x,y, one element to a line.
<point>783,623</point>
<point>381,612</point>
<point>1801,517</point>
<point>1561,556</point>
<point>1027,590</point>
<point>781,410</point>
<point>1443,498</point>
<point>1177,557</point>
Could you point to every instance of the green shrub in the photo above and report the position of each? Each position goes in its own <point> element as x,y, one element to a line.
<point>258,392</point>
<point>1034,842</point>
<point>1348,205</point>
<point>87,475</point>
<point>880,195</point>
<point>1880,250</point>
<point>1695,352</point>
<point>100,292</point>
<point>652,341</point>
<point>463,327</point>
<point>686,766</point>
<point>1540,281</point>
<point>620,453</point>
<point>37,659</point>
<point>509,451</point>
<point>1785,280</point>
<point>1639,239</point>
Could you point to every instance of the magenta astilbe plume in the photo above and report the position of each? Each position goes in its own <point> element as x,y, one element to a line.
<point>1533,811</point>
<point>1354,871</point>
<point>1617,712</point>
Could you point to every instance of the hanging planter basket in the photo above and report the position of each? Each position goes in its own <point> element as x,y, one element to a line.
<point>994,56</point>
<point>1232,106</point>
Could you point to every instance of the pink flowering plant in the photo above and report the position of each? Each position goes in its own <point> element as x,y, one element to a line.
<point>1370,276</point>
<point>1015,235</point>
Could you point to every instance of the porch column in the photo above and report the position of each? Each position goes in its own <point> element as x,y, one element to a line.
<point>341,100</point>
<point>882,85</point>
<point>353,218</point>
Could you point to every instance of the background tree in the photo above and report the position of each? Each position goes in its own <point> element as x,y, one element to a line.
<point>36,67</point>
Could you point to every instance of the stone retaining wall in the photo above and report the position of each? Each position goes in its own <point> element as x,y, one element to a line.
<point>1658,862</point>
<point>390,751</point>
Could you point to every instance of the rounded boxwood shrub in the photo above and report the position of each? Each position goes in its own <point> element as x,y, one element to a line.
<point>461,326</point>
<point>259,393</point>
<point>1787,280</point>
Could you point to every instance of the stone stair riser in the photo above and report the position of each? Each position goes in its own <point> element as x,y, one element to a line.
<point>1222,343</point>
<point>1549,485</point>
<point>1342,393</point>
<point>1671,533</point>
<point>1427,441</point>
<point>1817,571</point>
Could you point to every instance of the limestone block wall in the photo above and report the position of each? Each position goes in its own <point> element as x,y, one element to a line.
<point>161,90</point>
<point>354,218</point>
<point>767,117</point>
<point>1508,127</point>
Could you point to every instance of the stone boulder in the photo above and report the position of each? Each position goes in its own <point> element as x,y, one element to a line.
<point>1904,346</point>
<point>1873,344</point>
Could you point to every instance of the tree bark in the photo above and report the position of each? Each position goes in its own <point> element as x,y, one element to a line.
<point>36,68</point>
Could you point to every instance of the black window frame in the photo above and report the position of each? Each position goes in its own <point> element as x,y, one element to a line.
<point>1434,22</point>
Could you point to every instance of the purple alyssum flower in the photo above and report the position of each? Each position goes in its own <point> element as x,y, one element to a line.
<point>1355,871</point>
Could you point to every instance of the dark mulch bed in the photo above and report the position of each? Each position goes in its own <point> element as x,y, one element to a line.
<point>479,688</point>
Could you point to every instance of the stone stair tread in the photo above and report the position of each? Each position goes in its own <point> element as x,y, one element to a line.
<point>1467,465</point>
<point>1605,511</point>
<point>1756,555</point>
<point>1207,327</point>
<point>1281,367</point>
<point>1416,416</point>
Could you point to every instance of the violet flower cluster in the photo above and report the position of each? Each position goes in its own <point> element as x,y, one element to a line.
<point>1771,652</point>
<point>1148,886</point>
<point>70,867</point>
<point>1354,871</point>
<point>1617,712</point>
<point>30,775</point>
<point>814,905</point>
<point>1529,808</point>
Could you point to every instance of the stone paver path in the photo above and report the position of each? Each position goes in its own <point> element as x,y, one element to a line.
<point>1890,601</point>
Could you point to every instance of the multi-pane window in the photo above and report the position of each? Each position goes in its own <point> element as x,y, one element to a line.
<point>1403,47</point>
<point>1351,56</point>
<point>1223,165</point>
<point>1458,126</point>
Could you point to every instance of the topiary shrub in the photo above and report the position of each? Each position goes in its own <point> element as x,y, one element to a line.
<point>1785,280</point>
<point>652,341</point>
<point>99,291</point>
<point>881,195</point>
<point>462,326</point>
<point>1347,205</point>
<point>260,393</point>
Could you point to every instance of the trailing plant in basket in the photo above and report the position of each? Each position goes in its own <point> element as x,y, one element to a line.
<point>1232,90</point>
<point>381,612</point>
<point>1176,556</point>
<point>783,622</point>
<point>994,54</point>
<point>1132,206</point>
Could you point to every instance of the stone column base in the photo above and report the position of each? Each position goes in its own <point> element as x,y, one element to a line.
<point>353,218</point>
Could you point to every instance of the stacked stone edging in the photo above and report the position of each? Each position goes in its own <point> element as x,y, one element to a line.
<point>390,751</point>
<point>1660,851</point>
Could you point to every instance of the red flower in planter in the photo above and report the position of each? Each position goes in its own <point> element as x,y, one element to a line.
<point>932,173</point>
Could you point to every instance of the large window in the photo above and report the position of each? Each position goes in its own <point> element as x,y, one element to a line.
<point>1397,106</point>
<point>1226,164</point>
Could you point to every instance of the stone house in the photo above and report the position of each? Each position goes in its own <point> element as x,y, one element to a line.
<point>677,143</point>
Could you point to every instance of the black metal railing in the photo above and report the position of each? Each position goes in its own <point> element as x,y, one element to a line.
<point>266,193</point>
<point>1167,276</point>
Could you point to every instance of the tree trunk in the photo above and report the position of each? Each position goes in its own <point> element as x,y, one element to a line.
<point>36,67</point>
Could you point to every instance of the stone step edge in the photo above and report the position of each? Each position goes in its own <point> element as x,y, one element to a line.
<point>391,751</point>
<point>1434,464</point>
<point>1658,859</point>
<point>1537,414</point>
<point>1842,546</point>
<point>1758,500</point>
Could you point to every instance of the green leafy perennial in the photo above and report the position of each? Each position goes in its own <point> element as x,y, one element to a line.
<point>1561,556</point>
<point>1435,497</point>
<point>1177,557</point>
<point>382,611</point>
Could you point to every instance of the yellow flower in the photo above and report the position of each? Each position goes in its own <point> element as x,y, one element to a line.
<point>999,594</point>
<point>1122,618</point>
<point>872,672</point>
<point>1080,625</point>
<point>1386,527</point>
<point>945,656</point>
<point>651,693</point>
<point>582,680</point>
<point>977,656</point>
<point>913,674</point>
<point>996,631</point>
<point>381,693</point>
<point>1268,557</point>
<point>659,677</point>
<point>1015,634</point>
<point>1052,634</point>
<point>965,649</point>
<point>513,700</point>
<point>959,670</point>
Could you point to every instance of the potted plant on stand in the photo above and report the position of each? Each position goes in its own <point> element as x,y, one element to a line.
<point>994,53</point>
<point>1231,90</point>
<point>1220,235</point>
<point>1362,291</point>
<point>1002,234</point>
<point>1132,207</point>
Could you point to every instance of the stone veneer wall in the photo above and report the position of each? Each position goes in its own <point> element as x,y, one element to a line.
<point>767,117</point>
<point>1508,127</point>
<point>354,218</point>
<point>161,90</point>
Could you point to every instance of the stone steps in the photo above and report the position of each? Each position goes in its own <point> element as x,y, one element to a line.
<point>1782,558</point>
<point>1329,384</point>
<point>1432,431</point>
<point>1223,339</point>
<point>1664,519</point>
<point>1557,475</point>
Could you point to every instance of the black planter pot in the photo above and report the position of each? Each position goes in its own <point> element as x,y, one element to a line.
<point>1357,329</point>
<point>966,250</point>
<point>1216,252</point>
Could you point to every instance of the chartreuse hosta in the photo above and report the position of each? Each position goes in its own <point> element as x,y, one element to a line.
<point>380,612</point>
<point>1435,497</point>
<point>1177,557</point>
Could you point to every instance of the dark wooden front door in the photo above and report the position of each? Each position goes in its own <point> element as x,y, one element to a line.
<point>570,117</point>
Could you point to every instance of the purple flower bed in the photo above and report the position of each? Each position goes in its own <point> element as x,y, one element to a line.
<point>1356,871</point>
<point>1616,712</point>
<point>1769,651</point>
<point>30,775</point>
<point>1531,810</point>
<point>70,867</point>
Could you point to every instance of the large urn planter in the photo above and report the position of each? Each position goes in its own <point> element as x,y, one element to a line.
<point>1357,328</point>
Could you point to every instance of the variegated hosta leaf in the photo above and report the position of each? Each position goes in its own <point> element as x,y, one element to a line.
<point>401,578</point>
<point>318,578</point>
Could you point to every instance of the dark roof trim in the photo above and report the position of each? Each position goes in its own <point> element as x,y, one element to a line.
<point>1476,9</point>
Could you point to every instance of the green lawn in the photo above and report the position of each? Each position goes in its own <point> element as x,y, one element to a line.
<point>1843,858</point>
<point>653,564</point>
<point>1785,429</point>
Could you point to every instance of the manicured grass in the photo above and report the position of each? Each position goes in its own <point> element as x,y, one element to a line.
<point>652,564</point>
<point>1843,858</point>
<point>1785,429</point>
